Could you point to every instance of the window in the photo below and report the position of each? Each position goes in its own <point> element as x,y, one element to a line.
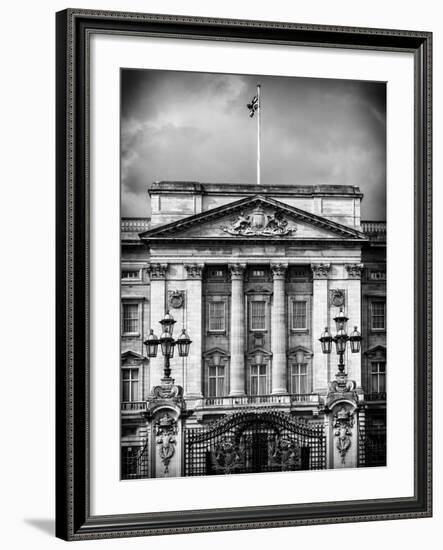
<point>130,319</point>
<point>298,382</point>
<point>378,377</point>
<point>258,273</point>
<point>299,315</point>
<point>258,315</point>
<point>378,315</point>
<point>130,384</point>
<point>130,274</point>
<point>216,381</point>
<point>217,316</point>
<point>258,380</point>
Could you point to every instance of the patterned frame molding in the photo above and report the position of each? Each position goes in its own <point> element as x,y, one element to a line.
<point>74,518</point>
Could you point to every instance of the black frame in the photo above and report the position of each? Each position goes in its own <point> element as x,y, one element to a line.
<point>74,521</point>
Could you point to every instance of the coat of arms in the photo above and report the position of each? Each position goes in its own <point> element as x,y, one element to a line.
<point>259,223</point>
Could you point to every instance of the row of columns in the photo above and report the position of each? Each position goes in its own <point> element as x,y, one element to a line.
<point>320,319</point>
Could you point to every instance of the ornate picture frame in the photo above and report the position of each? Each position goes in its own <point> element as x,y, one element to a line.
<point>74,519</point>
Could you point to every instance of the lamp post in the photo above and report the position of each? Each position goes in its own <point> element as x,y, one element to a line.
<point>341,339</point>
<point>167,343</point>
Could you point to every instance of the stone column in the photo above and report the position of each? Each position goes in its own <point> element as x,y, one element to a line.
<point>237,328</point>
<point>319,322</point>
<point>194,326</point>
<point>279,331</point>
<point>353,364</point>
<point>157,273</point>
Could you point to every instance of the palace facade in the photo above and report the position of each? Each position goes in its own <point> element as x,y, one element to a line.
<point>253,274</point>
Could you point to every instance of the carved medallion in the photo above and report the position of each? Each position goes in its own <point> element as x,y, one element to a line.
<point>259,223</point>
<point>337,297</point>
<point>176,298</point>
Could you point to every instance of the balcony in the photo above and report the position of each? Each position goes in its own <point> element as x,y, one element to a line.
<point>133,406</point>
<point>375,230</point>
<point>270,400</point>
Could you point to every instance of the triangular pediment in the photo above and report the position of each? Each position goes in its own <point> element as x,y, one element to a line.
<point>253,218</point>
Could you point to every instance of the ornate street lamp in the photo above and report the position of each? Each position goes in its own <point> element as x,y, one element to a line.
<point>167,343</point>
<point>326,341</point>
<point>340,340</point>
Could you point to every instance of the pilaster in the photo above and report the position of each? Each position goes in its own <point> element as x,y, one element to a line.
<point>157,273</point>
<point>237,367</point>
<point>320,274</point>
<point>279,331</point>
<point>194,323</point>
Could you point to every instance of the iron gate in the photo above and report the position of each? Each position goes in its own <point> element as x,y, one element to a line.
<point>372,440</point>
<point>251,442</point>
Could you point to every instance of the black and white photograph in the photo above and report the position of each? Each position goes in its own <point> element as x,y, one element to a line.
<point>253,274</point>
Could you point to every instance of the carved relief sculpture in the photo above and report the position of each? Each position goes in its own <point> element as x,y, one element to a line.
<point>259,223</point>
<point>166,429</point>
<point>343,423</point>
<point>279,270</point>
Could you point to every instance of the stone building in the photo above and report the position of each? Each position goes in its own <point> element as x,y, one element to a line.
<point>254,274</point>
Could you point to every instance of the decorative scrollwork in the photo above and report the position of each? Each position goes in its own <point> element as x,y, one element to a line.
<point>278,270</point>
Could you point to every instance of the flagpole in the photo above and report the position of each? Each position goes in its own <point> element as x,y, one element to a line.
<point>258,133</point>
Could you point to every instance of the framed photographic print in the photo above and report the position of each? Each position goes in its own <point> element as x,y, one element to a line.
<point>243,274</point>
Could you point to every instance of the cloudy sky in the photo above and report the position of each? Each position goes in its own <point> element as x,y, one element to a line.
<point>195,126</point>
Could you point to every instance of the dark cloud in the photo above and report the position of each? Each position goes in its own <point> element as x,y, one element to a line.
<point>195,126</point>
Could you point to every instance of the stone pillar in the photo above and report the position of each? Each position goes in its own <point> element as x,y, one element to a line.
<point>353,363</point>
<point>157,273</point>
<point>279,331</point>
<point>319,322</point>
<point>194,326</point>
<point>237,328</point>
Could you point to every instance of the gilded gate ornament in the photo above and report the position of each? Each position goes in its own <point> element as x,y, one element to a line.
<point>284,453</point>
<point>227,456</point>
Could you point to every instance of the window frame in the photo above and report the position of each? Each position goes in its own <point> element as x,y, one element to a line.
<point>378,374</point>
<point>293,364</point>
<point>307,300</point>
<point>126,303</point>
<point>218,299</point>
<point>371,314</point>
<point>265,302</point>
<point>217,377</point>
<point>129,268</point>
<point>266,376</point>
<point>130,380</point>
